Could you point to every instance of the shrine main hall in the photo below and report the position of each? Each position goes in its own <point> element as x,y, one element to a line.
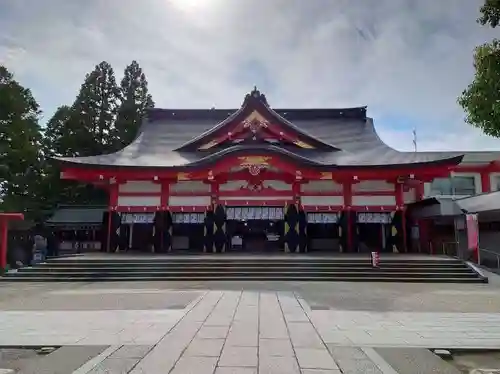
<point>268,180</point>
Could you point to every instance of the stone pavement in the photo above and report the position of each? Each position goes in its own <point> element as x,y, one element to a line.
<point>245,332</point>
<point>245,328</point>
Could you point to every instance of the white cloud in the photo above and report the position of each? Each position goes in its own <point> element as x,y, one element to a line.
<point>400,57</point>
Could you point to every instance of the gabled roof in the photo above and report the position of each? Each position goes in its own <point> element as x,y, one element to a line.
<point>255,108</point>
<point>342,138</point>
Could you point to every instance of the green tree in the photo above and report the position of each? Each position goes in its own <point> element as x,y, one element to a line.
<point>490,13</point>
<point>481,99</point>
<point>90,126</point>
<point>84,129</point>
<point>135,99</point>
<point>59,138</point>
<point>20,146</point>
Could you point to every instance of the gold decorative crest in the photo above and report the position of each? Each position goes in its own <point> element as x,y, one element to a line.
<point>256,117</point>
<point>183,176</point>
<point>326,175</point>
<point>254,160</point>
<point>254,163</point>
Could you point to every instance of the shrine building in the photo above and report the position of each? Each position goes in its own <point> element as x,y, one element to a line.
<point>263,179</point>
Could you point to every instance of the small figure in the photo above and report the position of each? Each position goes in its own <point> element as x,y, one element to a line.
<point>39,249</point>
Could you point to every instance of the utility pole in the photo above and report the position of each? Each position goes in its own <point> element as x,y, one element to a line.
<point>415,140</point>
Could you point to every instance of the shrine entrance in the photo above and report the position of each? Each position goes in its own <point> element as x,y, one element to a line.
<point>255,229</point>
<point>323,232</point>
<point>136,232</point>
<point>187,231</point>
<point>373,231</point>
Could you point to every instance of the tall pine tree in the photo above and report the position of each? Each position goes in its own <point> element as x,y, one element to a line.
<point>20,146</point>
<point>135,99</point>
<point>59,138</point>
<point>93,114</point>
<point>84,129</point>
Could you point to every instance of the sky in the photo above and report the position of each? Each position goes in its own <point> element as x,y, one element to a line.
<point>407,60</point>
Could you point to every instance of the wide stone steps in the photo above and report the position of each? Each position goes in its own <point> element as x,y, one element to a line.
<point>245,269</point>
<point>212,268</point>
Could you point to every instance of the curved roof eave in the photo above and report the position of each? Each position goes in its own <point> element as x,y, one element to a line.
<point>96,161</point>
<point>302,131</point>
<point>212,130</point>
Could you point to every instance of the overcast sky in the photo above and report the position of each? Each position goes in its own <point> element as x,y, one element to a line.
<point>407,60</point>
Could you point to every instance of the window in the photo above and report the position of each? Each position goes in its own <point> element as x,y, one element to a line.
<point>441,186</point>
<point>496,183</point>
<point>464,185</point>
<point>457,185</point>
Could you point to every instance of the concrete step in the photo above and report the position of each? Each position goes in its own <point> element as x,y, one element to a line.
<point>294,277</point>
<point>225,257</point>
<point>229,274</point>
<point>243,268</point>
<point>211,262</point>
<point>260,268</point>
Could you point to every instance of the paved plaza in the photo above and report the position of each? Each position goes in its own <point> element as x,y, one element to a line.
<point>273,327</point>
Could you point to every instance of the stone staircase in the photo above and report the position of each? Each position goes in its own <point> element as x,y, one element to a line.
<point>220,267</point>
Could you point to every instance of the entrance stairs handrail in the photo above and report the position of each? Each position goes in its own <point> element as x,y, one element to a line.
<point>449,249</point>
<point>489,252</point>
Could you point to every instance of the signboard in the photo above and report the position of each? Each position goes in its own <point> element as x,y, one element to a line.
<point>129,218</point>
<point>472,234</point>
<point>370,217</point>
<point>180,218</point>
<point>322,218</point>
<point>254,213</point>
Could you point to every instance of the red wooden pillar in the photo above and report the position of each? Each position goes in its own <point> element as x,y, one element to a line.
<point>4,231</point>
<point>113,195</point>
<point>3,246</point>
<point>420,191</point>
<point>165,194</point>
<point>485,181</point>
<point>215,194</point>
<point>164,199</point>
<point>423,227</point>
<point>108,237</point>
<point>423,231</point>
<point>347,189</point>
<point>400,205</point>
<point>296,193</point>
<point>113,204</point>
<point>405,242</point>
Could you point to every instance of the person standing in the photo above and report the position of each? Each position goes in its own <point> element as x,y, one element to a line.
<point>39,249</point>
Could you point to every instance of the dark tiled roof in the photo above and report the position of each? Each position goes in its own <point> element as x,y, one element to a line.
<point>76,216</point>
<point>486,202</point>
<point>348,130</point>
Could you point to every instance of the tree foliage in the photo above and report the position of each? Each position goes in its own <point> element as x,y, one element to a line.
<point>490,13</point>
<point>103,118</point>
<point>90,125</point>
<point>86,128</point>
<point>59,138</point>
<point>135,99</point>
<point>20,146</point>
<point>481,99</point>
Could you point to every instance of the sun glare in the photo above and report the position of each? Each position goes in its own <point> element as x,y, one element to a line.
<point>192,5</point>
